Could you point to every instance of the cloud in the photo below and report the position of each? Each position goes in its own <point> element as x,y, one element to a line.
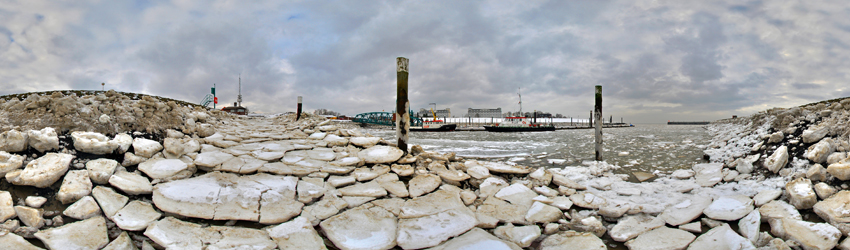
<point>656,60</point>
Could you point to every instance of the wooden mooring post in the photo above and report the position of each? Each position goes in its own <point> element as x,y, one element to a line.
<point>402,121</point>
<point>298,110</point>
<point>598,109</point>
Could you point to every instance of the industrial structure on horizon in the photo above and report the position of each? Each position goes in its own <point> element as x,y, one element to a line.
<point>237,106</point>
<point>496,112</point>
<point>440,113</point>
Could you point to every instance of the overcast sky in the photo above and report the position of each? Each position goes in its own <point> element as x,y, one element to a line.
<point>656,60</point>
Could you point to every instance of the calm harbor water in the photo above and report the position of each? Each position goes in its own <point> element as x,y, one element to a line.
<point>645,147</point>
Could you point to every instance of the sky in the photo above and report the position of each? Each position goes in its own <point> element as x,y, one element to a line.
<point>656,60</point>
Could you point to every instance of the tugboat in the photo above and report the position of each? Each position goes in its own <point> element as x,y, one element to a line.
<point>519,124</point>
<point>434,127</point>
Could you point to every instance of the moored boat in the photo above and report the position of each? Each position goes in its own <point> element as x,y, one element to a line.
<point>519,124</point>
<point>434,128</point>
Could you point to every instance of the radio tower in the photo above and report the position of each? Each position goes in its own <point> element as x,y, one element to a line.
<point>239,97</point>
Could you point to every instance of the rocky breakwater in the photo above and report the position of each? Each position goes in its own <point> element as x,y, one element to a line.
<point>106,112</point>
<point>267,183</point>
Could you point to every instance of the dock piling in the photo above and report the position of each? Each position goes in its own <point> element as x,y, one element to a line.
<point>402,104</point>
<point>598,109</point>
<point>298,110</point>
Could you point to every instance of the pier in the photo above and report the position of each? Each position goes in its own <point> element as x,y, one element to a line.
<point>688,123</point>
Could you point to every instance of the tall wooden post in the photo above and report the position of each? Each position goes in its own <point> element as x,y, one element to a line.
<point>402,121</point>
<point>598,109</point>
<point>590,121</point>
<point>298,110</point>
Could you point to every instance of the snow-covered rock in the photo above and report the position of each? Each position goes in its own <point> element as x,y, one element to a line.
<point>334,140</point>
<point>522,236</point>
<point>83,209</point>
<point>542,213</point>
<point>502,210</point>
<point>41,172</point>
<point>686,210</point>
<point>131,183</point>
<point>7,206</point>
<point>109,200</point>
<point>162,168</point>
<point>478,171</point>
<point>477,238</point>
<point>86,234</point>
<point>809,235</point>
<point>123,242</point>
<point>93,143</point>
<point>722,237</point>
<point>212,159</point>
<point>35,201</point>
<point>777,160</point>
<point>815,133</point>
<point>365,141</point>
<point>661,238</point>
<point>588,200</point>
<point>145,147</point>
<point>423,184</point>
<point>490,186</point>
<point>835,211</point>
<point>13,241</point>
<point>498,167</point>
<point>136,216</point>
<point>631,226</point>
<point>363,227</point>
<point>729,208</point>
<point>824,190</point>
<point>839,170</point>
<point>428,220</point>
<point>178,147</point>
<point>801,194</point>
<point>693,227</point>
<point>370,189</point>
<point>749,226</point>
<point>778,209</point>
<point>30,216</point>
<point>380,154</point>
<point>13,141</point>
<point>708,174</point>
<point>820,151</point>
<point>124,142</point>
<point>172,233</point>
<point>9,162</point>
<point>75,185</point>
<point>226,196</point>
<point>567,240</point>
<point>517,194</point>
<point>296,234</point>
<point>766,196</point>
<point>683,173</point>
<point>43,140</point>
<point>100,170</point>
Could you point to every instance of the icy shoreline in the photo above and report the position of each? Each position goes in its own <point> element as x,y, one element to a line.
<point>313,184</point>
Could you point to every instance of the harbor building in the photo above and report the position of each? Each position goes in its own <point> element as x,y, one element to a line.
<point>496,112</point>
<point>440,113</point>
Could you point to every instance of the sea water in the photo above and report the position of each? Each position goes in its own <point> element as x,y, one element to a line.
<point>645,147</point>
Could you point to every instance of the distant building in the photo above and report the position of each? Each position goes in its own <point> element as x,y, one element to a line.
<point>239,110</point>
<point>496,112</point>
<point>440,113</point>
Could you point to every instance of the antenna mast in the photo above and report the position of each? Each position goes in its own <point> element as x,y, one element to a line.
<point>239,98</point>
<point>520,100</point>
